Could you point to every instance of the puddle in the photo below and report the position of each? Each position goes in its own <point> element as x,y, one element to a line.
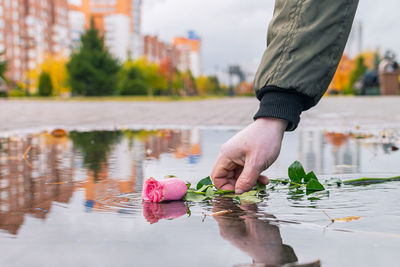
<point>74,200</point>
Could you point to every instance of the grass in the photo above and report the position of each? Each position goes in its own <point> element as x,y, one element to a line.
<point>119,98</point>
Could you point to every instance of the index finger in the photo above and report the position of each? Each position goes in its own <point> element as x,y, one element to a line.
<point>223,173</point>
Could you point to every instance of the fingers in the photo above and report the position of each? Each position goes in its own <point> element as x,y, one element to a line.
<point>248,178</point>
<point>223,174</point>
<point>263,179</point>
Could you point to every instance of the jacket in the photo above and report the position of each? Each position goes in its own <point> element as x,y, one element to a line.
<point>305,42</point>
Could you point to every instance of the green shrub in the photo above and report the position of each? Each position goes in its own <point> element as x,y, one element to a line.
<point>45,84</point>
<point>133,82</point>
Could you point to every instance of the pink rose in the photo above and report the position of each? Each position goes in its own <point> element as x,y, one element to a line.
<point>153,212</point>
<point>166,190</point>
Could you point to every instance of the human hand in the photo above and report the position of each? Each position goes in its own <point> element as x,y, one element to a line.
<point>246,155</point>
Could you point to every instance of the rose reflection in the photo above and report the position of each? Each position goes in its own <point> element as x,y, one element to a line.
<point>255,236</point>
<point>153,212</point>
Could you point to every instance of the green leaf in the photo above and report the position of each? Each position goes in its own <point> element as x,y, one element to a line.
<point>249,197</point>
<point>313,186</point>
<point>260,187</point>
<point>334,181</point>
<point>237,199</point>
<point>203,182</point>
<point>203,188</point>
<point>210,192</point>
<point>193,197</point>
<point>224,192</point>
<point>309,176</point>
<point>188,185</point>
<point>296,172</point>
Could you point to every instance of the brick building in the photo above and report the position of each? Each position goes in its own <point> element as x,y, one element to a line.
<point>30,30</point>
<point>184,52</point>
<point>118,21</point>
<point>190,53</point>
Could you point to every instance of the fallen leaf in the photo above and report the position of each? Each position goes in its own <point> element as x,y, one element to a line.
<point>59,133</point>
<point>347,219</point>
<point>344,219</point>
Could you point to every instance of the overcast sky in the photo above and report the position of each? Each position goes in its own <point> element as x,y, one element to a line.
<point>234,31</point>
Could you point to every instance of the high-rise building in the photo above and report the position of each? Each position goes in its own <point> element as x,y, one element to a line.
<point>190,53</point>
<point>30,30</point>
<point>118,21</point>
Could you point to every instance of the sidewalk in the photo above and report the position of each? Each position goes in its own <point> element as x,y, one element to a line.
<point>332,112</point>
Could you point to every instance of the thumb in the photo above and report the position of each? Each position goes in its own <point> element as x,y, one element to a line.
<point>247,179</point>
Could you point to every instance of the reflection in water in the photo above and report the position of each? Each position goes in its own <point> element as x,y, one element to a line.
<point>153,212</point>
<point>253,233</point>
<point>58,166</point>
<point>87,187</point>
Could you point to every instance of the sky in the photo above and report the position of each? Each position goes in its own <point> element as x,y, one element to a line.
<point>234,31</point>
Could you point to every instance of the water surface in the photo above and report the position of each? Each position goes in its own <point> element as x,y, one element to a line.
<point>75,201</point>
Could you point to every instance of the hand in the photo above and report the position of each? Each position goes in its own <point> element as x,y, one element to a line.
<point>246,155</point>
<point>253,233</point>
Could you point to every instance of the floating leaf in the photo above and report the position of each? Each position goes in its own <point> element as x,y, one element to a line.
<point>250,199</point>
<point>260,187</point>
<point>202,189</point>
<point>347,219</point>
<point>309,176</point>
<point>203,182</point>
<point>365,181</point>
<point>210,192</point>
<point>334,181</point>
<point>313,186</point>
<point>344,219</point>
<point>296,172</point>
<point>193,197</point>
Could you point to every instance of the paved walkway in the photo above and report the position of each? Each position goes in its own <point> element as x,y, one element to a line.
<point>332,112</point>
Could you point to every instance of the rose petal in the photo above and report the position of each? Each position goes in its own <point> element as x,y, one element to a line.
<point>173,189</point>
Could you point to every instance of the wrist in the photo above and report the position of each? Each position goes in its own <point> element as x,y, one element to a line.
<point>273,123</point>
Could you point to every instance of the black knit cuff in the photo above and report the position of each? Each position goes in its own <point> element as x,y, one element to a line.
<point>282,105</point>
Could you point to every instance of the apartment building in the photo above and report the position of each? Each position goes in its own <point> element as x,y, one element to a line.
<point>118,21</point>
<point>190,53</point>
<point>184,52</point>
<point>30,30</point>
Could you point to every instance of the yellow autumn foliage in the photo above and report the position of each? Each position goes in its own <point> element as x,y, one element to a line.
<point>55,66</point>
<point>342,75</point>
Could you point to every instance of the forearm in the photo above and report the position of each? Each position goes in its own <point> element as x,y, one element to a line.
<point>306,39</point>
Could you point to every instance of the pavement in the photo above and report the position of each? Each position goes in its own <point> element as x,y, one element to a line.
<point>331,112</point>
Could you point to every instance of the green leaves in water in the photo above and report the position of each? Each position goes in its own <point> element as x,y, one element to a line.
<point>300,183</point>
<point>205,190</point>
<point>299,178</point>
<point>204,182</point>
<point>296,172</point>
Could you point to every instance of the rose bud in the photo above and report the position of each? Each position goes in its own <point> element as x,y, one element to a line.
<point>153,212</point>
<point>166,190</point>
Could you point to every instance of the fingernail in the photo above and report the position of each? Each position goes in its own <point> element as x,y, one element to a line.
<point>239,191</point>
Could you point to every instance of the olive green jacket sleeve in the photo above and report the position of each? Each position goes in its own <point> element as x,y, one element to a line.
<point>305,42</point>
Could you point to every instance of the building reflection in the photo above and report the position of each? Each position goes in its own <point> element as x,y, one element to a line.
<point>106,165</point>
<point>319,150</point>
<point>31,187</point>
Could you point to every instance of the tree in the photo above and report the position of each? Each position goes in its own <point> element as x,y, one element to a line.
<point>45,84</point>
<point>152,75</point>
<point>358,71</point>
<point>207,85</point>
<point>95,147</point>
<point>55,66</point>
<point>3,66</point>
<point>92,70</point>
<point>132,81</point>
